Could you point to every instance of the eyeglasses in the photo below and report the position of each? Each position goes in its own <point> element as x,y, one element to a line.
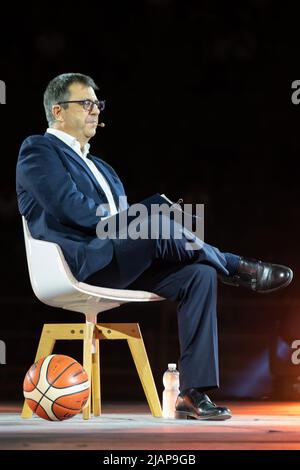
<point>88,105</point>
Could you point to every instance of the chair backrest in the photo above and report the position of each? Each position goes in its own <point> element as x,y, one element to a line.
<point>50,275</point>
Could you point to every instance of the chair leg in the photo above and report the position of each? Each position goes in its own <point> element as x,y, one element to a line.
<point>45,347</point>
<point>96,386</point>
<point>87,362</point>
<point>139,354</point>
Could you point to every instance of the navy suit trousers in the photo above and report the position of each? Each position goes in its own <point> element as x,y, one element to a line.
<point>166,268</point>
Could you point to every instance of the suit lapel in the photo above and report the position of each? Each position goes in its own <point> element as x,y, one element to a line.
<point>108,176</point>
<point>66,149</point>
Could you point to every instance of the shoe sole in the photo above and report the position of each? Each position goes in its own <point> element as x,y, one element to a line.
<point>186,415</point>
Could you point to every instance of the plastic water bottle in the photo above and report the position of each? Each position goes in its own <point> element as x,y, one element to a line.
<point>171,391</point>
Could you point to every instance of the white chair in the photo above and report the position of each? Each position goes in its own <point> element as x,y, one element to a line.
<point>54,284</point>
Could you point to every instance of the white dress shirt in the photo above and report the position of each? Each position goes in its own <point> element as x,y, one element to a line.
<point>75,145</point>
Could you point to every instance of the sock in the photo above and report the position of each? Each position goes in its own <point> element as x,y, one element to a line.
<point>232,262</point>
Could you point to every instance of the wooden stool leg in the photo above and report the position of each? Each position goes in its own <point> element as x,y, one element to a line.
<point>96,390</point>
<point>139,354</point>
<point>45,347</point>
<point>87,362</point>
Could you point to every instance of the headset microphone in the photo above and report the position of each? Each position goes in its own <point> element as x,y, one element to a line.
<point>101,124</point>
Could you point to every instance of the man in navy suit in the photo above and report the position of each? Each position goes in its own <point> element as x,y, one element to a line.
<point>64,191</point>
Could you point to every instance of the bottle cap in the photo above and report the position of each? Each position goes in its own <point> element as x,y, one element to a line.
<point>172,366</point>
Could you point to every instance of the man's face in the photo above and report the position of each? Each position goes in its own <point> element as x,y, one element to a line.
<point>75,120</point>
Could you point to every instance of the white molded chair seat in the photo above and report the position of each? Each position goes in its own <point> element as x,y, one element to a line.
<point>54,284</point>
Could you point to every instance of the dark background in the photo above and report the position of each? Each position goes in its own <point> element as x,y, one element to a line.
<point>199,106</point>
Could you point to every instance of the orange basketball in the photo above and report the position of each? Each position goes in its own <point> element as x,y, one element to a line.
<point>56,387</point>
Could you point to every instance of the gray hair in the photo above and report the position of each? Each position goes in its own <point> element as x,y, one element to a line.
<point>58,90</point>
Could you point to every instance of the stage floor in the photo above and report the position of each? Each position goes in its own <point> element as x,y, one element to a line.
<point>255,425</point>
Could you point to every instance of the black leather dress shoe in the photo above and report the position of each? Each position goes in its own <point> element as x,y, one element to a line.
<point>259,277</point>
<point>197,405</point>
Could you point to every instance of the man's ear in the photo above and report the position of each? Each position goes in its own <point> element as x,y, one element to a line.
<point>57,112</point>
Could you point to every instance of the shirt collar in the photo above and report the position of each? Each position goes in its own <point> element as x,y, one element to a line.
<point>70,141</point>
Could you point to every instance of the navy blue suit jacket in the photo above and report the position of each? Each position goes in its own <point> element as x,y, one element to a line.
<point>59,195</point>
